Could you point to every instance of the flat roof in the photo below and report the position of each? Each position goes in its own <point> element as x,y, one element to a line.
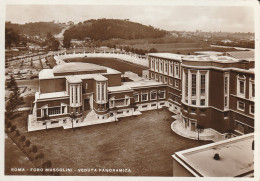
<point>211,58</point>
<point>244,55</point>
<point>236,158</point>
<point>49,73</point>
<point>172,56</point>
<point>76,67</point>
<point>208,53</point>
<point>51,95</point>
<point>142,83</point>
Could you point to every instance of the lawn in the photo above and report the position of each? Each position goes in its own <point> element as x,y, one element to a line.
<point>14,158</point>
<point>143,144</point>
<point>113,63</point>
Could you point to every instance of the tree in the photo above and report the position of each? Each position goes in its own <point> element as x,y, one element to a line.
<point>51,42</point>
<point>10,37</point>
<point>153,50</point>
<point>66,42</point>
<point>15,100</point>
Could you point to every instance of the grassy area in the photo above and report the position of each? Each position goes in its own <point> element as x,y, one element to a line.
<point>143,144</point>
<point>113,63</point>
<point>14,158</point>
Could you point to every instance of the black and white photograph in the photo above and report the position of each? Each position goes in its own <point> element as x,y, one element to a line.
<point>142,88</point>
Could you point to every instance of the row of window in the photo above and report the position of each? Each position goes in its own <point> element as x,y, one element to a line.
<point>119,102</point>
<point>54,110</point>
<point>194,91</point>
<point>75,94</point>
<point>164,79</point>
<point>241,107</point>
<point>101,92</point>
<point>165,67</point>
<point>153,96</point>
<point>241,87</point>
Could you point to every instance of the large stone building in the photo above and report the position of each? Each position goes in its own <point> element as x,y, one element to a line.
<point>211,91</point>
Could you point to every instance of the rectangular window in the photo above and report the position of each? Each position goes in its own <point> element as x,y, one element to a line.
<point>76,91</point>
<point>161,66</point>
<point>226,101</point>
<point>253,89</point>
<point>202,102</point>
<point>54,110</point>
<point>153,95</point>
<point>171,81</point>
<point>226,85</point>
<point>165,80</point>
<point>177,70</point>
<point>171,69</point>
<point>161,78</point>
<point>136,97</point>
<point>202,85</point>
<point>240,106</point>
<point>252,109</point>
<point>186,86</point>
<point>241,87</point>
<point>166,68</point>
<point>98,92</point>
<point>103,92</point>
<point>226,90</point>
<point>161,95</point>
<point>176,83</point>
<point>193,102</point>
<point>156,77</point>
<point>144,96</point>
<point>72,96</point>
<point>171,96</point>
<point>152,76</point>
<point>193,84</point>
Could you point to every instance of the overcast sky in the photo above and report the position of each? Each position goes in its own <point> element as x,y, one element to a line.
<point>188,18</point>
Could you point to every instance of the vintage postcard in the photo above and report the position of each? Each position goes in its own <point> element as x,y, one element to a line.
<point>142,88</point>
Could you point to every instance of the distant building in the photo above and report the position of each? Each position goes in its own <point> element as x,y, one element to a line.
<point>229,158</point>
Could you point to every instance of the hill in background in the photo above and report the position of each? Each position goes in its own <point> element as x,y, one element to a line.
<point>104,29</point>
<point>35,29</point>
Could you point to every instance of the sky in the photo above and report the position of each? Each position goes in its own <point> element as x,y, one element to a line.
<point>179,18</point>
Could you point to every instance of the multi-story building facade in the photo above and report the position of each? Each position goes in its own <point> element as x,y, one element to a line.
<point>70,92</point>
<point>214,91</point>
<point>210,91</point>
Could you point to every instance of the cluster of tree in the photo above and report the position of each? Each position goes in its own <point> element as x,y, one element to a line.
<point>11,37</point>
<point>104,29</point>
<point>51,42</point>
<point>14,100</point>
<point>139,51</point>
<point>29,149</point>
<point>244,44</point>
<point>37,28</point>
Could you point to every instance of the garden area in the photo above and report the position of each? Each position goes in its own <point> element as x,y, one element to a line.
<point>144,144</point>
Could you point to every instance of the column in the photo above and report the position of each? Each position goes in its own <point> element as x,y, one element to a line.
<point>189,87</point>
<point>197,88</point>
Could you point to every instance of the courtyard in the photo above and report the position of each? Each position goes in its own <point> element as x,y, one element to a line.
<point>144,144</point>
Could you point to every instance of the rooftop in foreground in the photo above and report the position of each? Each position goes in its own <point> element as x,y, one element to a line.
<point>236,158</point>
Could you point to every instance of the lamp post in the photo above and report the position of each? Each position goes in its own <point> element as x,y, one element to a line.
<point>45,117</point>
<point>199,129</point>
<point>72,116</point>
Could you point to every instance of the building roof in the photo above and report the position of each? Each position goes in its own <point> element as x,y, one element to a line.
<point>142,83</point>
<point>167,55</point>
<point>244,55</point>
<point>50,95</point>
<point>208,53</point>
<point>236,158</point>
<point>76,67</point>
<point>211,58</point>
